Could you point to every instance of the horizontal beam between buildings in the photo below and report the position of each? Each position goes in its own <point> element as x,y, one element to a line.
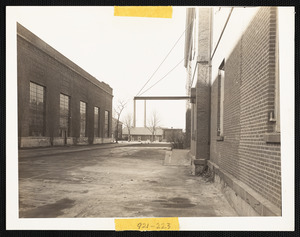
<point>162,98</point>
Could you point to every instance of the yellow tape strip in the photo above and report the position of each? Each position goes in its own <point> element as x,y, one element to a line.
<point>148,224</point>
<point>160,12</point>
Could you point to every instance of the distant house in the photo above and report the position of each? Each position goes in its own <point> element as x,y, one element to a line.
<point>143,134</point>
<point>114,131</point>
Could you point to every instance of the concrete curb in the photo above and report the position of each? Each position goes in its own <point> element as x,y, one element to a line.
<point>49,151</point>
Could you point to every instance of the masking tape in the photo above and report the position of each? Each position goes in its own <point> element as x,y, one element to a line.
<point>148,224</point>
<point>144,11</point>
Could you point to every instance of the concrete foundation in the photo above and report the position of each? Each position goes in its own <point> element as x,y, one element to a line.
<point>34,141</point>
<point>241,197</point>
<point>98,140</point>
<point>200,165</point>
<point>107,140</point>
<point>58,141</point>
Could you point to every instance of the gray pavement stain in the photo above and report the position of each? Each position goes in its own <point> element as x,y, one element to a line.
<point>49,210</point>
<point>176,203</point>
<point>122,182</point>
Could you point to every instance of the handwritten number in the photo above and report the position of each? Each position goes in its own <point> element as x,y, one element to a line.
<point>158,226</point>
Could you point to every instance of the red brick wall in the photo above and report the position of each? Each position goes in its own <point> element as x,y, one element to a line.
<point>249,98</point>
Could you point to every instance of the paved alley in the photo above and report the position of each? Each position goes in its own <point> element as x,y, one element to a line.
<point>114,181</point>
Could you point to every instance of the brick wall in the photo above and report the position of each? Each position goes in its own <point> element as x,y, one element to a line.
<point>203,112</point>
<point>225,152</point>
<point>200,146</point>
<point>249,98</point>
<point>41,64</point>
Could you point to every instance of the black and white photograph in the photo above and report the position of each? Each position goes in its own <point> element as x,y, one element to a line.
<point>150,112</point>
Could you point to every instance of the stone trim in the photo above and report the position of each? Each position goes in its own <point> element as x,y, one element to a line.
<point>34,142</point>
<point>245,200</point>
<point>59,141</point>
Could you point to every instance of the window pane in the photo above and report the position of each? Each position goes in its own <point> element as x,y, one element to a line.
<point>96,122</point>
<point>64,115</point>
<point>37,116</point>
<point>106,124</point>
<point>82,119</point>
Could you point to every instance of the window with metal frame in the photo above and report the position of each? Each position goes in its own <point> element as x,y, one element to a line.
<point>96,122</point>
<point>64,116</point>
<point>106,123</point>
<point>82,119</point>
<point>37,110</point>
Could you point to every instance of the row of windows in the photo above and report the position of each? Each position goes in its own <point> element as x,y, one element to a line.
<point>37,115</point>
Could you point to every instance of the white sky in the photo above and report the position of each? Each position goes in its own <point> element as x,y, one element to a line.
<point>121,51</point>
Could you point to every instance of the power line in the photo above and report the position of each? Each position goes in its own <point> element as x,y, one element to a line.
<point>194,74</point>
<point>164,58</point>
<point>162,77</point>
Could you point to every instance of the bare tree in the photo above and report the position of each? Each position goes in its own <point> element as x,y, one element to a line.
<point>128,122</point>
<point>118,110</point>
<point>153,123</point>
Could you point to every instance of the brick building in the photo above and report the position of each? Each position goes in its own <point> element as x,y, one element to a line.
<point>58,102</point>
<point>232,63</point>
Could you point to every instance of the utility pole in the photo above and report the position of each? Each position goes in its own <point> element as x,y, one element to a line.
<point>134,114</point>
<point>145,113</point>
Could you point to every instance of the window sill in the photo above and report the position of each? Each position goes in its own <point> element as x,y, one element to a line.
<point>272,137</point>
<point>220,138</point>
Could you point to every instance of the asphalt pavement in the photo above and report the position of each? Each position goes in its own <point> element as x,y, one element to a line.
<point>114,180</point>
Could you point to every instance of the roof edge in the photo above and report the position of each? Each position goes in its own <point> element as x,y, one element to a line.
<point>37,42</point>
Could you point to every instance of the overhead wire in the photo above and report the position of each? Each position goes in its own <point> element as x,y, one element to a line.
<point>162,77</point>
<point>163,60</point>
<point>194,74</point>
